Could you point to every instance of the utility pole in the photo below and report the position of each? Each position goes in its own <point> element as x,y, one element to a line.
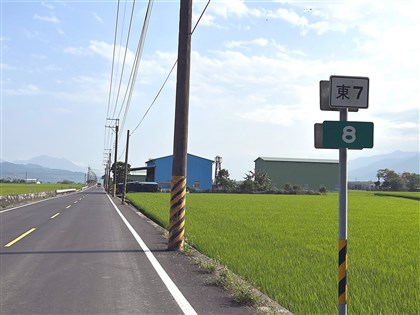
<point>114,187</point>
<point>109,173</point>
<point>114,181</point>
<point>126,167</point>
<point>179,164</point>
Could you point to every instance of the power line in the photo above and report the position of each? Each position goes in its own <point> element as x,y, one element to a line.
<point>134,70</point>
<point>169,74</point>
<point>112,71</point>
<point>138,57</point>
<point>123,66</point>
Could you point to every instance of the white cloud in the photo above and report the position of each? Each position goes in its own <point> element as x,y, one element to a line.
<point>98,18</point>
<point>30,89</point>
<point>51,19</point>
<point>291,17</point>
<point>47,5</point>
<point>53,68</point>
<point>277,115</point>
<point>226,8</point>
<point>77,51</point>
<point>106,50</point>
<point>36,35</point>
<point>262,42</point>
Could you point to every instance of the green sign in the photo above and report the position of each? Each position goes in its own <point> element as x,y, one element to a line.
<point>347,134</point>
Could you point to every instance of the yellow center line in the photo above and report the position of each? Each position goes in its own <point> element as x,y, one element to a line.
<point>55,215</point>
<point>20,237</point>
<point>68,206</point>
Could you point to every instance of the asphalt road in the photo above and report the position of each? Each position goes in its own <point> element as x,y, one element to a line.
<point>85,254</point>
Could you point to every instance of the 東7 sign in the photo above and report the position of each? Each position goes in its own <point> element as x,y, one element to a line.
<point>349,92</point>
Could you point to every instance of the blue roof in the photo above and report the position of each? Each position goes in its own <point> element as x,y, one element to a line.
<point>162,157</point>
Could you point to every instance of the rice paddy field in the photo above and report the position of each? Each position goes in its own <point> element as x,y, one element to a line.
<point>286,245</point>
<point>17,189</point>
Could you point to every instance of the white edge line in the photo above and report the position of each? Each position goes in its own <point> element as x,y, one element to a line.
<point>173,289</point>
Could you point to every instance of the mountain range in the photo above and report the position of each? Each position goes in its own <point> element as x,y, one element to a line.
<point>40,173</point>
<point>52,162</point>
<point>363,169</point>
<point>43,168</point>
<point>51,170</point>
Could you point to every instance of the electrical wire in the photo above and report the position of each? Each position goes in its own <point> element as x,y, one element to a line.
<point>138,57</point>
<point>123,64</point>
<point>169,74</point>
<point>107,133</point>
<point>133,74</point>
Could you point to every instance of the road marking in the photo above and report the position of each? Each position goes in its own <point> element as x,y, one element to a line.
<point>20,237</point>
<point>75,201</point>
<point>68,206</point>
<point>55,215</point>
<point>173,289</point>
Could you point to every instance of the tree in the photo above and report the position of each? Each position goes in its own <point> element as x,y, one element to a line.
<point>256,181</point>
<point>120,171</point>
<point>397,182</point>
<point>411,180</point>
<point>224,182</point>
<point>390,179</point>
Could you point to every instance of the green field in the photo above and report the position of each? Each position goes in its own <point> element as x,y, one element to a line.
<point>17,189</point>
<point>286,245</point>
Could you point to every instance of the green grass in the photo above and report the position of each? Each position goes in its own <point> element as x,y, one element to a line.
<point>17,189</point>
<point>286,245</point>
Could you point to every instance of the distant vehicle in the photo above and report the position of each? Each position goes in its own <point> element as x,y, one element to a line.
<point>98,185</point>
<point>138,187</point>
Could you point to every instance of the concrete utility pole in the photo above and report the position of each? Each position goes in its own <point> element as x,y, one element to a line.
<point>114,182</point>
<point>114,187</point>
<point>126,167</point>
<point>109,173</point>
<point>179,164</point>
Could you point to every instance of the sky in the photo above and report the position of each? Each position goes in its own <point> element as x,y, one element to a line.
<point>254,88</point>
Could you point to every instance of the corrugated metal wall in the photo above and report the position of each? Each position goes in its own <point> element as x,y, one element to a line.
<point>311,175</point>
<point>199,171</point>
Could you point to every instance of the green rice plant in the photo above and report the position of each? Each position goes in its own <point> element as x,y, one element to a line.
<point>287,246</point>
<point>17,189</point>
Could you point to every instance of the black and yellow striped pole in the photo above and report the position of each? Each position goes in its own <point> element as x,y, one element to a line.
<point>177,214</point>
<point>179,164</point>
<point>342,273</point>
<point>342,227</point>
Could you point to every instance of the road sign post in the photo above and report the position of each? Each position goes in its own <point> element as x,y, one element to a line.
<point>342,226</point>
<point>343,94</point>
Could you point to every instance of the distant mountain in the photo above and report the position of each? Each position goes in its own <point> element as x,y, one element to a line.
<point>366,168</point>
<point>43,174</point>
<point>52,162</point>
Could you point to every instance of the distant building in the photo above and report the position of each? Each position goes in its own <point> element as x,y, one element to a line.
<point>199,172</point>
<point>32,181</point>
<point>311,174</point>
<point>361,185</point>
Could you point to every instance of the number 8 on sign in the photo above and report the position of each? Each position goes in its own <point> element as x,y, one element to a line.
<point>349,134</point>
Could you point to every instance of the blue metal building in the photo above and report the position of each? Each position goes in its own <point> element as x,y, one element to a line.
<point>199,172</point>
